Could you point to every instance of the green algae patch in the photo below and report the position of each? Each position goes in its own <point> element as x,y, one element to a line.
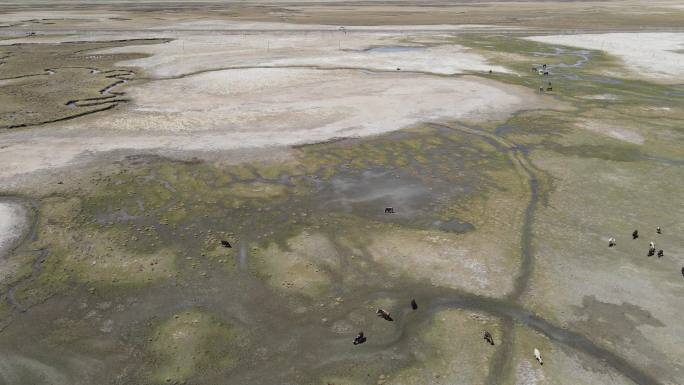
<point>274,171</point>
<point>257,190</point>
<point>242,172</point>
<point>400,149</point>
<point>6,313</point>
<point>192,343</point>
<point>451,350</point>
<point>15,268</point>
<point>78,250</point>
<point>302,267</point>
<point>461,261</point>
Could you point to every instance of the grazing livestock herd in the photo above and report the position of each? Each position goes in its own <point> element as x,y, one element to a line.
<point>360,338</point>
<point>384,314</point>
<point>651,245</point>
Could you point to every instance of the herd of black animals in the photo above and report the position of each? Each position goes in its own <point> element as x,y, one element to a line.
<point>651,246</point>
<point>384,314</point>
<point>545,72</point>
<point>611,242</point>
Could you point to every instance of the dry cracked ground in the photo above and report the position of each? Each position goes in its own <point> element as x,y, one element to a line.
<point>138,140</point>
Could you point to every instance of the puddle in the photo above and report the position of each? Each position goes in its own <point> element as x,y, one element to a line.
<point>505,129</point>
<point>677,91</point>
<point>454,226</point>
<point>116,216</point>
<point>584,57</point>
<point>596,79</point>
<point>373,190</point>
<point>368,193</point>
<point>242,256</point>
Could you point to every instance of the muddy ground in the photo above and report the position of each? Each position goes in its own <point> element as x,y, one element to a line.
<point>120,273</point>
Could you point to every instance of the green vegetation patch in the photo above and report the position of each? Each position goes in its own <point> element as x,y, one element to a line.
<point>303,267</point>
<point>77,250</point>
<point>40,80</point>
<point>190,343</point>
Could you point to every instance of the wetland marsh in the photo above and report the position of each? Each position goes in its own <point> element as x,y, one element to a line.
<point>140,140</point>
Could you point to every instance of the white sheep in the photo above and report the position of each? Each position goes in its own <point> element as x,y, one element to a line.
<point>537,355</point>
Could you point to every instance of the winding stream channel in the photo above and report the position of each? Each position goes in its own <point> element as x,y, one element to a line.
<point>509,309</point>
<point>109,100</point>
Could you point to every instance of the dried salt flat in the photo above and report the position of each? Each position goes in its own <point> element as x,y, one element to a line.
<point>255,108</point>
<point>12,224</point>
<point>192,52</point>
